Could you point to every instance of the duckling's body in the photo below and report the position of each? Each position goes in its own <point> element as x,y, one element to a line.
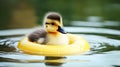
<point>57,39</point>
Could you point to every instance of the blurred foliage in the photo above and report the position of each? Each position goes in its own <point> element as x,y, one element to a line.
<point>70,9</point>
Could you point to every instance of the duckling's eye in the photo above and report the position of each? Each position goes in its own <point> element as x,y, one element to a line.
<point>47,23</point>
<point>52,23</point>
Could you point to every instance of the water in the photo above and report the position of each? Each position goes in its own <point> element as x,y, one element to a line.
<point>104,39</point>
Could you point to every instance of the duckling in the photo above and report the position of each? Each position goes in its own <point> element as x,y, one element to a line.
<point>56,35</point>
<point>53,32</point>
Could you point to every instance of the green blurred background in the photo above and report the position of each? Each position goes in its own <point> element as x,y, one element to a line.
<point>30,13</point>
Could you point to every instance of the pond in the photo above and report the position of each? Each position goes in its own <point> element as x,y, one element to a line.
<point>104,39</point>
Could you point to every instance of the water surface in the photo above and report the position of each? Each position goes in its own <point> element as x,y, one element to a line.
<point>104,40</point>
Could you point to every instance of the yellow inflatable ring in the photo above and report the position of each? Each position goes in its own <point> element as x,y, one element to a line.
<point>77,45</point>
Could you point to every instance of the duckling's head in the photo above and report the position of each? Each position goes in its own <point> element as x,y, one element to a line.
<point>53,23</point>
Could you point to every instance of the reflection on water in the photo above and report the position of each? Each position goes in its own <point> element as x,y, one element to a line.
<point>59,63</point>
<point>105,46</point>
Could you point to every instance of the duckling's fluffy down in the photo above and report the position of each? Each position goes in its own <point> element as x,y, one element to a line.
<point>38,36</point>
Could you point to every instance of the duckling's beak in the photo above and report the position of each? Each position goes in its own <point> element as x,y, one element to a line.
<point>61,30</point>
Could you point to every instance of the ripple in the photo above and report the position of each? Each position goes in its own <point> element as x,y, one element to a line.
<point>102,44</point>
<point>92,30</point>
<point>95,23</point>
